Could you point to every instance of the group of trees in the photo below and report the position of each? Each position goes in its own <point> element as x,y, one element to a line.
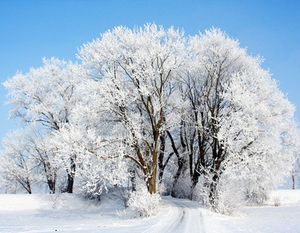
<point>151,107</point>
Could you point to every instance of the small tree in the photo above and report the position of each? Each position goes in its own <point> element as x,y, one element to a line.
<point>29,159</point>
<point>15,164</point>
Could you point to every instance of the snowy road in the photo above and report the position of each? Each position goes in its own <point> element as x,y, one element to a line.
<point>179,216</point>
<point>175,215</point>
<point>66,213</point>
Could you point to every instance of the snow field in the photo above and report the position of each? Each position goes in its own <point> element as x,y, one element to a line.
<point>69,213</point>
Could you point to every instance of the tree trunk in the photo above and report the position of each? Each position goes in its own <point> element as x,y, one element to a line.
<point>29,188</point>
<point>177,175</point>
<point>151,182</point>
<point>198,169</point>
<point>293,180</point>
<point>213,195</point>
<point>71,175</point>
<point>51,176</point>
<point>161,165</point>
<point>51,185</point>
<point>133,180</point>
<point>70,184</point>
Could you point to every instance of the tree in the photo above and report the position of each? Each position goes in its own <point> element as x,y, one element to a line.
<point>94,172</point>
<point>46,160</point>
<point>137,69</point>
<point>213,59</point>
<point>16,165</point>
<point>216,58</point>
<point>240,117</point>
<point>29,159</point>
<point>46,97</point>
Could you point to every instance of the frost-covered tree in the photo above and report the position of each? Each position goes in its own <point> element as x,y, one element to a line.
<point>47,162</point>
<point>28,158</point>
<point>260,136</point>
<point>45,97</point>
<point>239,119</point>
<point>213,59</point>
<point>15,164</point>
<point>94,171</point>
<point>137,69</point>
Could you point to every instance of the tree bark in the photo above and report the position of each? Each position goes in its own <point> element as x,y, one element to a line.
<point>133,180</point>
<point>51,185</point>
<point>152,179</point>
<point>293,180</point>
<point>213,195</point>
<point>177,175</point>
<point>71,175</point>
<point>161,165</point>
<point>152,183</point>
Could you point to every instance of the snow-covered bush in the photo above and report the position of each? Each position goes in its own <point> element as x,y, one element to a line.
<point>276,200</point>
<point>229,195</point>
<point>144,203</point>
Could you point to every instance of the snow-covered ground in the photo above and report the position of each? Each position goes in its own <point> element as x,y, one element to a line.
<point>68,213</point>
<point>267,218</point>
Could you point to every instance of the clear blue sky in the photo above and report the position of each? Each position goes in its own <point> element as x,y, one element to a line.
<point>31,30</point>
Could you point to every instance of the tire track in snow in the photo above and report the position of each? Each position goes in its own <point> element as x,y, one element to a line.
<point>181,216</point>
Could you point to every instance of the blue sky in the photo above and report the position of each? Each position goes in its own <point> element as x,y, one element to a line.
<point>31,30</point>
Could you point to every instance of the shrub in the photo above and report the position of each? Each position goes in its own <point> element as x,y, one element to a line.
<point>144,203</point>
